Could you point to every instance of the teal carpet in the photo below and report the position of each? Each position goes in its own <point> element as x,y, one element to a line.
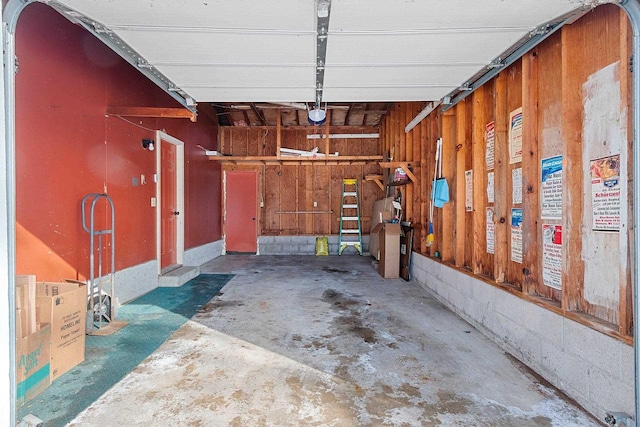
<point>152,319</point>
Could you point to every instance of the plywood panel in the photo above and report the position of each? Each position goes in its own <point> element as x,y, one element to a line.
<point>449,143</point>
<point>549,133</point>
<point>501,177</point>
<point>461,167</point>
<point>514,101</point>
<point>322,192</point>
<point>271,217</point>
<point>289,200</point>
<point>305,200</point>
<point>480,260</point>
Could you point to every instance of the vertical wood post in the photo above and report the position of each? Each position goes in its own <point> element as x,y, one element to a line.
<point>502,173</point>
<point>531,229</point>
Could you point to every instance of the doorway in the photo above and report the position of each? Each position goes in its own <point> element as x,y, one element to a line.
<point>170,201</point>
<point>241,211</point>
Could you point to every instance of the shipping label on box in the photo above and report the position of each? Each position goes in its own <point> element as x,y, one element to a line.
<point>33,366</point>
<point>65,304</point>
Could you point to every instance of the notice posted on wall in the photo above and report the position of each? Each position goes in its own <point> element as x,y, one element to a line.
<point>551,191</point>
<point>605,193</point>
<point>516,180</point>
<point>552,255</point>
<point>490,132</point>
<point>491,231</point>
<point>468,193</point>
<point>491,187</point>
<point>515,136</point>
<point>516,235</point>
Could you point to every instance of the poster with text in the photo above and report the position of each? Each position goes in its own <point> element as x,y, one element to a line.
<point>516,235</point>
<point>516,180</point>
<point>491,187</point>
<point>605,193</point>
<point>551,191</point>
<point>515,136</point>
<point>468,199</point>
<point>552,255</point>
<point>491,144</point>
<point>491,231</point>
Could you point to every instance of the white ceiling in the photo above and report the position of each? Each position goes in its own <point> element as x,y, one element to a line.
<point>265,51</point>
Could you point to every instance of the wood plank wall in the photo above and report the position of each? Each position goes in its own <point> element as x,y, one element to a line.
<point>299,199</point>
<point>575,93</point>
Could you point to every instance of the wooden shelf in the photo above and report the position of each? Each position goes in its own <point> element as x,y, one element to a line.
<point>399,183</point>
<point>405,167</point>
<point>297,160</point>
<point>377,179</point>
<point>170,113</point>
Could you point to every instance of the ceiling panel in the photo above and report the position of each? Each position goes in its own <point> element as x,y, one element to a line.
<point>230,75</point>
<point>385,15</point>
<point>355,76</point>
<point>289,15</point>
<point>383,94</point>
<point>434,48</point>
<point>221,47</point>
<point>265,51</point>
<point>251,94</point>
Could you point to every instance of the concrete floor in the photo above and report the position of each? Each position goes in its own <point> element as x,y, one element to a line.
<point>325,341</point>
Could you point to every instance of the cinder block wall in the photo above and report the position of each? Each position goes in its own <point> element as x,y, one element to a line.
<point>592,368</point>
<point>302,245</point>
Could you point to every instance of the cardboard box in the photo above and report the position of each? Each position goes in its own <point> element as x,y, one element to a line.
<point>33,366</point>
<point>389,240</point>
<point>64,306</point>
<point>26,323</point>
<point>382,212</point>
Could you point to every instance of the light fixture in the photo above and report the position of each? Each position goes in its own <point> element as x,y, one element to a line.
<point>317,116</point>
<point>148,144</point>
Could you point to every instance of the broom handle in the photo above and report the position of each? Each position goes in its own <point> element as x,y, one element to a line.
<point>440,158</point>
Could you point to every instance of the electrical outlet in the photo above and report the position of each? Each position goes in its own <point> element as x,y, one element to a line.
<point>315,204</point>
<point>154,202</point>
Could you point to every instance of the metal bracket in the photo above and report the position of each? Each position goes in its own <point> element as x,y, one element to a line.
<point>619,419</point>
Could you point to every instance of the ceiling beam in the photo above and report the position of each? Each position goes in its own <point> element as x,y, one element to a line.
<point>155,112</point>
<point>346,116</point>
<point>259,114</point>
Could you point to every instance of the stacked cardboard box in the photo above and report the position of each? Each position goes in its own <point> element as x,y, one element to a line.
<point>33,343</point>
<point>50,332</point>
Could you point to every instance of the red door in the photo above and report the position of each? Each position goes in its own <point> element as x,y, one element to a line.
<point>241,226</point>
<point>169,208</point>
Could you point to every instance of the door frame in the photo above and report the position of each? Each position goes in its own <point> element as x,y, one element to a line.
<point>258,204</point>
<point>161,138</point>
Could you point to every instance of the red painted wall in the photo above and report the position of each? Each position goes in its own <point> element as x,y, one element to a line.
<point>66,147</point>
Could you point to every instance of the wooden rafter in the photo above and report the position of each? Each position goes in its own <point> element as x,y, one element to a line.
<point>258,114</point>
<point>346,116</point>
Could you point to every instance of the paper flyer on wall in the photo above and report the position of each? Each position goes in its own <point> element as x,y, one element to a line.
<point>491,231</point>
<point>605,193</point>
<point>516,235</point>
<point>491,187</point>
<point>468,199</point>
<point>515,136</point>
<point>552,255</point>
<point>551,188</point>
<point>489,156</point>
<point>516,185</point>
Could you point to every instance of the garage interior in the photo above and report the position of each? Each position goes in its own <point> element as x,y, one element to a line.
<point>227,136</point>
